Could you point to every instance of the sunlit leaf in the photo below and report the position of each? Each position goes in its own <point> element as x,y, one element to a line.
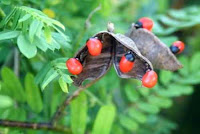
<point>26,47</point>
<point>9,35</point>
<point>25,17</point>
<point>33,29</point>
<point>52,74</point>
<point>79,110</point>
<point>5,101</point>
<point>47,33</point>
<point>105,117</point>
<point>63,85</point>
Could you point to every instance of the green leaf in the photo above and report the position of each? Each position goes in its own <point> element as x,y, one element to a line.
<point>63,85</point>
<point>137,115</point>
<point>56,96</point>
<point>67,78</point>
<point>33,29</point>
<point>165,77</point>
<point>175,90</point>
<point>25,27</point>
<point>128,123</point>
<point>162,102</point>
<point>9,35</point>
<point>105,117</point>
<point>144,91</point>
<point>18,114</point>
<point>178,14</point>
<point>7,18</point>
<point>191,79</point>
<point>117,129</point>
<point>15,19</point>
<point>52,74</point>
<point>131,93</point>
<point>61,65</point>
<point>47,34</point>
<point>39,29</point>
<point>57,23</point>
<point>6,2</point>
<point>4,90</point>
<point>149,108</point>
<point>61,33</point>
<point>40,43</point>
<point>62,41</point>
<point>79,114</point>
<point>5,101</point>
<point>25,18</point>
<point>185,70</point>
<point>55,44</point>
<point>29,50</point>
<point>42,73</point>
<point>33,94</point>
<point>13,84</point>
<point>194,63</point>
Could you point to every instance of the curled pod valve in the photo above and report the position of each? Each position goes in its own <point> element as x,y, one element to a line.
<point>145,23</point>
<point>150,78</point>
<point>177,47</point>
<point>127,62</point>
<point>94,46</point>
<point>74,66</point>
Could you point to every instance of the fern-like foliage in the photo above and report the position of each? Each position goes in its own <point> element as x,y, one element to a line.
<point>176,20</point>
<point>33,29</point>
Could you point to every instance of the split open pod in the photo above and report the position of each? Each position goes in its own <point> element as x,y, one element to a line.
<point>153,49</point>
<point>114,47</point>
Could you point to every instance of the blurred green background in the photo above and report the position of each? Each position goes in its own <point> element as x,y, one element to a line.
<point>169,108</point>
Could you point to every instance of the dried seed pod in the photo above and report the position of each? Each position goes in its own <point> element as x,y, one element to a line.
<point>114,47</point>
<point>122,45</point>
<point>153,49</point>
<point>95,67</point>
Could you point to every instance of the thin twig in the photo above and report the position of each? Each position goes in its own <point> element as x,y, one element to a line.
<point>58,114</point>
<point>87,25</point>
<point>87,22</point>
<point>36,126</point>
<point>16,61</point>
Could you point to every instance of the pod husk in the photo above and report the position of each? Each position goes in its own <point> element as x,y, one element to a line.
<point>124,44</point>
<point>153,49</point>
<point>114,47</point>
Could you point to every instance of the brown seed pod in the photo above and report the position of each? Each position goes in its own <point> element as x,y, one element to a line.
<point>153,49</point>
<point>114,47</point>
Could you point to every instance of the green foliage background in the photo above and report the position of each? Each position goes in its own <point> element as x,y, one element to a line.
<point>112,105</point>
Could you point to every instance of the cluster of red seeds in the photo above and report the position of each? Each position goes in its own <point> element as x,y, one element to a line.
<point>126,63</point>
<point>94,46</point>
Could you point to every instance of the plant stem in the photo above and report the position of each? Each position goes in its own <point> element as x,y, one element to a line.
<point>86,27</point>
<point>16,62</point>
<point>87,22</point>
<point>58,114</point>
<point>36,126</point>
